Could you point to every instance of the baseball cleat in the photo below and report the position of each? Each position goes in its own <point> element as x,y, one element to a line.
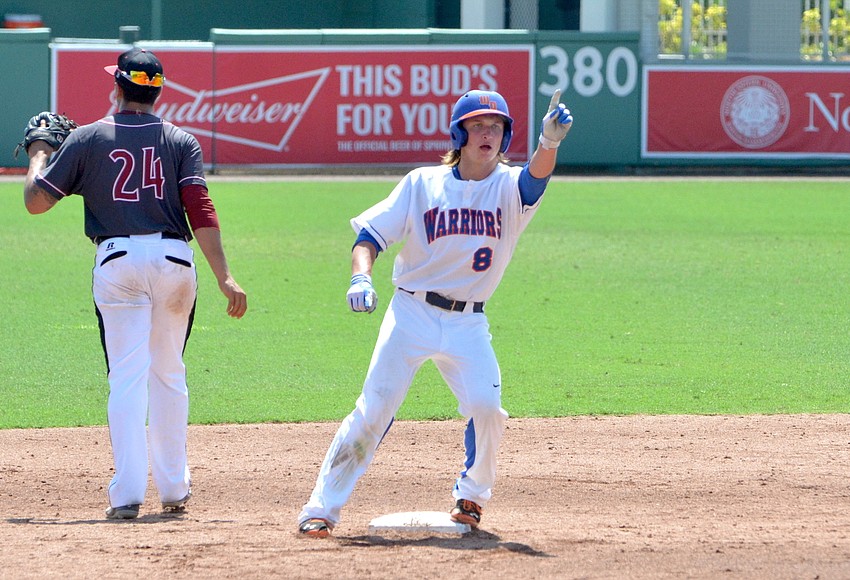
<point>125,512</point>
<point>315,528</point>
<point>466,512</point>
<point>178,505</point>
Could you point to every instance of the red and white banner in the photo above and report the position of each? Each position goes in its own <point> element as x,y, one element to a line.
<point>752,112</point>
<point>279,106</point>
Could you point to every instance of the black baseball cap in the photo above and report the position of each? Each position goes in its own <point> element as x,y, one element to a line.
<point>138,60</point>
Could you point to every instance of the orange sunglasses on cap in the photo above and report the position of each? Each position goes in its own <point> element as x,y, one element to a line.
<point>140,77</point>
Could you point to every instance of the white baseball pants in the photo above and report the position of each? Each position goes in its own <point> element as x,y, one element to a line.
<point>413,332</point>
<point>144,289</point>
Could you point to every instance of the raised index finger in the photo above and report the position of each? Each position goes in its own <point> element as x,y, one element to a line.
<point>556,99</point>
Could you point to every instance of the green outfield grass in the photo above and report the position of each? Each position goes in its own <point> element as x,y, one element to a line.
<point>655,297</point>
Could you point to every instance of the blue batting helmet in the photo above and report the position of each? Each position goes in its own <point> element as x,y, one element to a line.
<point>476,103</point>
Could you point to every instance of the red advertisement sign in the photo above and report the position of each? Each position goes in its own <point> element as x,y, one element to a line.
<point>758,112</point>
<point>279,106</point>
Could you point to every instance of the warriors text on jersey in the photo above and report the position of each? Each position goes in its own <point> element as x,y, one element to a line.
<point>460,234</point>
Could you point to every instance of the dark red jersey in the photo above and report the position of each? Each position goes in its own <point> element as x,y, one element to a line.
<point>129,169</point>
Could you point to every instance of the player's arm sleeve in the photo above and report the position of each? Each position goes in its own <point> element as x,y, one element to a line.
<point>61,177</point>
<point>47,186</point>
<point>531,188</point>
<point>365,236</point>
<point>200,210</point>
<point>386,221</point>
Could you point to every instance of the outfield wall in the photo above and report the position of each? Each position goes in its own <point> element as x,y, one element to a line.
<point>25,68</point>
<point>296,99</point>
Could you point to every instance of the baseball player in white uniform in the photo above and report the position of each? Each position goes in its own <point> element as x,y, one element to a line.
<point>460,222</point>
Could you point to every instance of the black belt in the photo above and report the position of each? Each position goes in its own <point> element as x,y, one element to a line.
<point>165,236</point>
<point>441,301</point>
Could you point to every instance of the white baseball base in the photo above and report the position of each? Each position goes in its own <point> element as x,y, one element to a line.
<point>417,522</point>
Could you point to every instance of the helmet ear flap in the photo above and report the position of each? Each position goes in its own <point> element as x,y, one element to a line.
<point>458,134</point>
<point>506,136</point>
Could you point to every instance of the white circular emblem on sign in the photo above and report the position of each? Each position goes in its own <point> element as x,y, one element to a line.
<point>755,112</point>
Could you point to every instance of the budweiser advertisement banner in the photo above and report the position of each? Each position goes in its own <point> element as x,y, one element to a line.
<point>752,112</point>
<point>288,106</point>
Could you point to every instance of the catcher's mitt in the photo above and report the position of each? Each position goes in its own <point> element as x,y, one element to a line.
<point>46,126</point>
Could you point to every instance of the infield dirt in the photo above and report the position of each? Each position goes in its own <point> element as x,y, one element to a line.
<point>589,497</point>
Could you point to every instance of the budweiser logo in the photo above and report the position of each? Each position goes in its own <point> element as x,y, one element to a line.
<point>260,114</point>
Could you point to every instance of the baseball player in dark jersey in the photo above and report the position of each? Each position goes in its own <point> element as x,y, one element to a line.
<point>460,222</point>
<point>140,178</point>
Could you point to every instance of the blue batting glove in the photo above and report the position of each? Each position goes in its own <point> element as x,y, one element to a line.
<point>361,296</point>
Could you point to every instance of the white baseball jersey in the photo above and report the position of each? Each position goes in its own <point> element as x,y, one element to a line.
<point>460,234</point>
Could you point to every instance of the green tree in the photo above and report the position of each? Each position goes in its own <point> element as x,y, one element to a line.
<point>707,27</point>
<point>811,47</point>
<point>708,30</point>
